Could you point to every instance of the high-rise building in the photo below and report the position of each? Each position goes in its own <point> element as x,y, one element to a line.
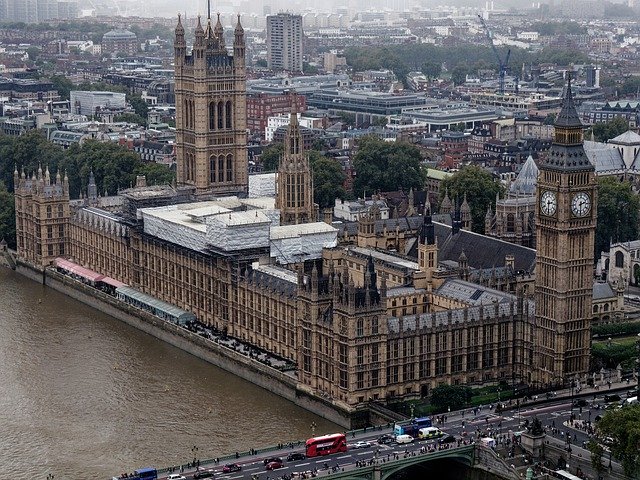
<point>565,232</point>
<point>284,42</point>
<point>211,112</point>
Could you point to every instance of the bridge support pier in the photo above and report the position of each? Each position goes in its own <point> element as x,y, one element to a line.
<point>377,473</point>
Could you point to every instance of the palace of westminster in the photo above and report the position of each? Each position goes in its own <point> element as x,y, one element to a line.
<point>359,319</point>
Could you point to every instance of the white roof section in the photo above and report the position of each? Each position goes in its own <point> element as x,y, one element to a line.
<point>278,272</point>
<point>387,258</point>
<point>296,243</point>
<point>292,231</point>
<point>262,185</point>
<point>525,182</point>
<point>627,138</point>
<point>472,293</point>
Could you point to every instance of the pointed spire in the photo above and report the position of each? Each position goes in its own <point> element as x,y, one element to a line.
<point>218,31</point>
<point>179,31</point>
<point>239,29</point>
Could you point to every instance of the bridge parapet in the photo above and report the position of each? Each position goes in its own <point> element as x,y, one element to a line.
<point>382,469</point>
<point>487,459</point>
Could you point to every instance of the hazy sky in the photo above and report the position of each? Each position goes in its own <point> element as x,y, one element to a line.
<point>170,7</point>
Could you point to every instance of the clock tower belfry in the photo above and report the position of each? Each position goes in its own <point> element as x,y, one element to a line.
<point>565,228</point>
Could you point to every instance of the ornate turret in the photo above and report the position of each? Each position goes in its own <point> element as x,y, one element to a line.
<point>179,44</point>
<point>218,33</point>
<point>238,44</point>
<point>446,206</point>
<point>488,220</point>
<point>294,197</point>
<point>465,214</point>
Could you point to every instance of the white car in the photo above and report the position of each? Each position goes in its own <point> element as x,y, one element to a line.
<point>176,476</point>
<point>361,444</point>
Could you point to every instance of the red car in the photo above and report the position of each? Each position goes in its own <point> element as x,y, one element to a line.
<point>231,467</point>
<point>274,465</point>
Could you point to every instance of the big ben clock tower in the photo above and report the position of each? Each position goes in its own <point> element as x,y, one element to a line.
<point>565,227</point>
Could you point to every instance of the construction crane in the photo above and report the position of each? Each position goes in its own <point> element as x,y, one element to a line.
<point>502,65</point>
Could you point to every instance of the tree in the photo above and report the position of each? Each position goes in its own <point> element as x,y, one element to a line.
<point>480,189</point>
<point>130,118</point>
<point>623,426</point>
<point>431,69</point>
<point>450,397</point>
<point>618,213</point>
<point>7,216</point>
<point>459,74</point>
<point>33,53</point>
<point>328,179</point>
<point>63,86</point>
<point>139,105</point>
<point>604,131</point>
<point>271,157</point>
<point>596,455</point>
<point>387,166</point>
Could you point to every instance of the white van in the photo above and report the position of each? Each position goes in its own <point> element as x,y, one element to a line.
<point>429,432</point>
<point>404,439</point>
<point>631,401</point>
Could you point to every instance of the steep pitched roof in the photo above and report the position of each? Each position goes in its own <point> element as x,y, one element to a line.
<point>525,182</point>
<point>627,138</point>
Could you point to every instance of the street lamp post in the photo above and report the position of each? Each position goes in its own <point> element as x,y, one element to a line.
<point>313,429</point>
<point>194,451</point>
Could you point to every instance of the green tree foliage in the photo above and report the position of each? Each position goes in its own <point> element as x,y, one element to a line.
<point>7,216</point>
<point>33,53</point>
<point>610,356</point>
<point>623,426</point>
<point>387,166</point>
<point>479,187</point>
<point>139,105</point>
<point>631,85</point>
<point>597,451</point>
<point>459,74</point>
<point>63,85</point>
<point>431,69</point>
<point>604,131</point>
<point>130,118</point>
<point>618,213</point>
<point>328,179</point>
<point>114,166</point>
<point>450,397</point>
<point>271,157</point>
<point>558,28</point>
<point>404,58</point>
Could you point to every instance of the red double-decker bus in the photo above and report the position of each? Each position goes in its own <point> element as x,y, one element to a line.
<point>326,445</point>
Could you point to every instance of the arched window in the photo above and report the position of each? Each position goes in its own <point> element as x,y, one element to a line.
<point>212,168</point>
<point>595,309</point>
<point>229,167</point>
<point>619,259</point>
<point>510,223</point>
<point>185,113</point>
<point>221,167</point>
<point>606,265</point>
<point>48,211</point>
<point>60,211</point>
<point>220,115</point>
<point>606,307</point>
<point>212,116</point>
<point>228,115</point>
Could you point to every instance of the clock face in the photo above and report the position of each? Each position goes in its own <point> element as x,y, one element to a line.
<point>548,203</point>
<point>581,204</point>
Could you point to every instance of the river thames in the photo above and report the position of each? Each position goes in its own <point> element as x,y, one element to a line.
<point>84,396</point>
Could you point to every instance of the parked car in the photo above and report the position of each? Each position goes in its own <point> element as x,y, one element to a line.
<point>581,402</point>
<point>361,444</point>
<point>231,467</point>
<point>176,476</point>
<point>274,465</point>
<point>385,439</point>
<point>295,456</point>
<point>612,398</point>
<point>272,459</point>
<point>203,474</point>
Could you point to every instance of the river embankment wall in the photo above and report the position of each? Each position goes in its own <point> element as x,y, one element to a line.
<point>264,376</point>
